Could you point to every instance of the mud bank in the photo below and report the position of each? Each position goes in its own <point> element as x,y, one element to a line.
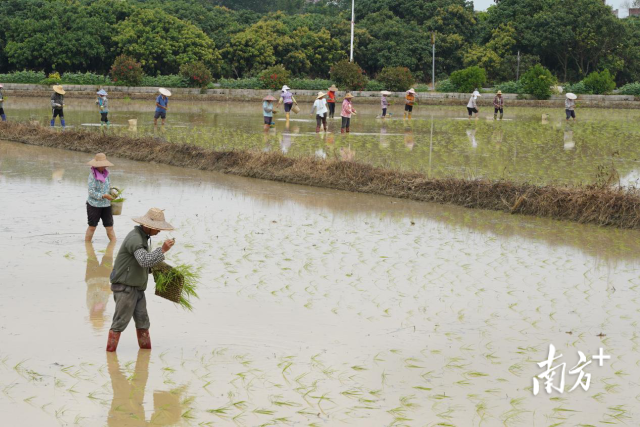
<point>365,97</point>
<point>584,204</point>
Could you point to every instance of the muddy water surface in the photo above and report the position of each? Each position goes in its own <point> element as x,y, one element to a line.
<point>317,308</point>
<point>530,144</point>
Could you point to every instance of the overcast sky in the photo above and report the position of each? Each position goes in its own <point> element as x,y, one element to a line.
<point>484,4</point>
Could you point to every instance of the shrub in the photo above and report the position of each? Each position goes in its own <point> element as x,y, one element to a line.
<point>85,79</point>
<point>172,80</point>
<point>126,70</point>
<point>537,81</point>
<point>468,79</point>
<point>600,82</point>
<point>248,83</point>
<point>348,75</point>
<point>445,86</point>
<point>422,87</point>
<point>396,79</point>
<point>374,86</point>
<point>630,89</point>
<point>53,79</point>
<point>509,87</point>
<point>578,88</point>
<point>196,74</point>
<point>310,84</point>
<point>23,77</point>
<point>274,77</point>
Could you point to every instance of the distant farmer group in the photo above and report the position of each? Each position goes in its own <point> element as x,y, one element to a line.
<point>57,106</point>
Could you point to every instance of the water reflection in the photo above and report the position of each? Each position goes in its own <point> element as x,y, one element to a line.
<point>97,279</point>
<point>471,134</point>
<point>409,141</point>
<point>569,144</point>
<point>127,405</point>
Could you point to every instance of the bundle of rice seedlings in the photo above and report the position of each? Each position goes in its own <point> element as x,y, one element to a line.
<point>117,195</point>
<point>177,284</point>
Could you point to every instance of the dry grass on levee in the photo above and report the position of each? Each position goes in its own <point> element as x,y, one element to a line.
<point>595,204</point>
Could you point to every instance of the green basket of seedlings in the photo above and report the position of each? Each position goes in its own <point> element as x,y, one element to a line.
<point>176,284</point>
<point>118,200</point>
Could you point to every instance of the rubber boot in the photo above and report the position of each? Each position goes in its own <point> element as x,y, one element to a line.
<point>405,115</point>
<point>341,130</point>
<point>144,340</point>
<point>325,128</point>
<point>501,116</point>
<point>4,118</point>
<point>495,116</point>
<point>112,341</point>
<point>53,122</point>
<point>347,130</point>
<point>317,129</point>
<point>62,122</point>
<point>409,116</point>
<point>108,124</point>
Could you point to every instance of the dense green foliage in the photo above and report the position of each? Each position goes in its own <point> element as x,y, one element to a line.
<point>240,38</point>
<point>600,82</point>
<point>126,70</point>
<point>396,79</point>
<point>630,89</point>
<point>196,74</point>
<point>468,79</point>
<point>274,77</point>
<point>537,81</point>
<point>348,75</point>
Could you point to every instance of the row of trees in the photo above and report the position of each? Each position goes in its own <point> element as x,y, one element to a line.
<point>241,38</point>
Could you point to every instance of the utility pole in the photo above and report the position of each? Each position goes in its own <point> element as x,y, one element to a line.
<point>433,60</point>
<point>518,69</point>
<point>353,23</point>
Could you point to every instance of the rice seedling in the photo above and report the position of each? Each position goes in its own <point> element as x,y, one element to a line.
<point>177,284</point>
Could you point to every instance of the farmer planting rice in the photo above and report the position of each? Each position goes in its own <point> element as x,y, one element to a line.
<point>267,111</point>
<point>320,107</point>
<point>347,111</point>
<point>287,98</point>
<point>2,115</point>
<point>570,106</point>
<point>102,103</point>
<point>472,106</point>
<point>99,200</point>
<point>130,276</point>
<point>331,100</point>
<point>410,99</point>
<point>162,104</point>
<point>384,103</point>
<point>498,105</point>
<point>57,105</point>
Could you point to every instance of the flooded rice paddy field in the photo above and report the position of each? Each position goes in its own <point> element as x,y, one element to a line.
<point>439,141</point>
<point>317,308</point>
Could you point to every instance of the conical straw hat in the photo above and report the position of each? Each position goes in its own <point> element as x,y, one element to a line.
<point>100,161</point>
<point>58,89</point>
<point>572,95</point>
<point>165,92</point>
<point>269,98</point>
<point>348,96</point>
<point>154,219</point>
<point>385,92</point>
<point>333,88</point>
<point>321,95</point>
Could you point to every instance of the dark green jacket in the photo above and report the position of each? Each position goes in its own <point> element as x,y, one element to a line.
<point>126,270</point>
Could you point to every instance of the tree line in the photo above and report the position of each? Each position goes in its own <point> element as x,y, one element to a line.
<point>240,38</point>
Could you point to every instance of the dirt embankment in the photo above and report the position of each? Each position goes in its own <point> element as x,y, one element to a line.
<point>616,207</point>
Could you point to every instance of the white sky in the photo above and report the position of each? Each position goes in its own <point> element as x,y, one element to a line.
<point>484,4</point>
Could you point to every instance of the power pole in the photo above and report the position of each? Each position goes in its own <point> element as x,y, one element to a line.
<point>353,23</point>
<point>518,69</point>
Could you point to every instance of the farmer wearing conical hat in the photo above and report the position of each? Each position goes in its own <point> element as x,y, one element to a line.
<point>99,200</point>
<point>162,105</point>
<point>347,111</point>
<point>57,105</point>
<point>267,111</point>
<point>287,98</point>
<point>2,115</point>
<point>384,103</point>
<point>570,105</point>
<point>498,105</point>
<point>331,100</point>
<point>410,99</point>
<point>320,107</point>
<point>130,276</point>
<point>102,102</point>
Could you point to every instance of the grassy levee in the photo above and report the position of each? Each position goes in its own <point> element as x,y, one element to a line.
<point>601,205</point>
